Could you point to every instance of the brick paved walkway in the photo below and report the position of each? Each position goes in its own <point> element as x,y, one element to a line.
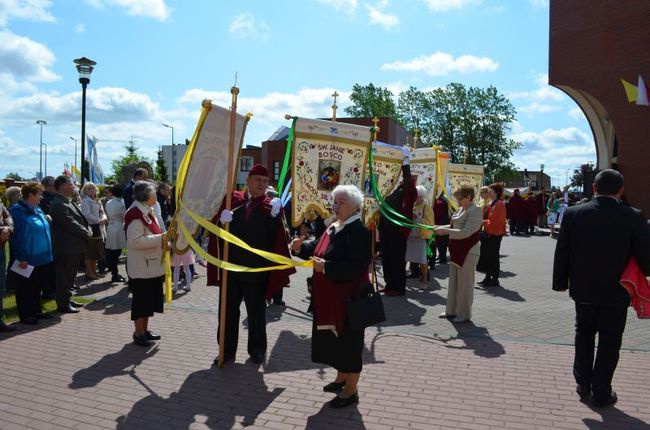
<point>509,368</point>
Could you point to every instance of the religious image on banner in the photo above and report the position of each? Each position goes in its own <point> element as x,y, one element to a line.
<point>423,168</point>
<point>386,167</point>
<point>465,174</point>
<point>325,154</point>
<point>202,179</point>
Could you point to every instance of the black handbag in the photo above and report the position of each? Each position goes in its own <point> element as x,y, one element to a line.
<point>365,308</point>
<point>97,233</point>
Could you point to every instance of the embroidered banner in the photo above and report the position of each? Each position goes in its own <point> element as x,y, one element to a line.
<point>465,174</point>
<point>202,181</point>
<point>386,167</point>
<point>423,169</point>
<point>325,154</point>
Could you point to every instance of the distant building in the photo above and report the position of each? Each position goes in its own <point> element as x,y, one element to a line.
<point>173,155</point>
<point>532,178</point>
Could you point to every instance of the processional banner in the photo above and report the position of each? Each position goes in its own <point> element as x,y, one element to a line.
<point>386,168</point>
<point>423,169</point>
<point>202,177</point>
<point>465,174</point>
<point>325,154</point>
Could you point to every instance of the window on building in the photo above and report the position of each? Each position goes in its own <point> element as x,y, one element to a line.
<point>245,164</point>
<point>276,170</point>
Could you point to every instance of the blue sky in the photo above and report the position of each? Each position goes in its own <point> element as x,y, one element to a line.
<point>157,59</point>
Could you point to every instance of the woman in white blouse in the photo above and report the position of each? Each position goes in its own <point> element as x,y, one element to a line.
<point>92,209</point>
<point>115,236</point>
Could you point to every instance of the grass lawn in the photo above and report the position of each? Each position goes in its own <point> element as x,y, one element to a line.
<point>11,312</point>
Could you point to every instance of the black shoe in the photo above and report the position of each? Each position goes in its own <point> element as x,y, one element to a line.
<point>484,281</point>
<point>215,362</point>
<point>339,402</point>
<point>75,288</point>
<point>152,336</point>
<point>334,387</point>
<point>141,340</point>
<point>279,303</point>
<point>117,278</point>
<point>584,391</point>
<point>67,310</point>
<point>4,328</point>
<point>43,316</point>
<point>613,398</point>
<point>30,321</point>
<point>76,304</point>
<point>413,275</point>
<point>492,283</point>
<point>257,358</point>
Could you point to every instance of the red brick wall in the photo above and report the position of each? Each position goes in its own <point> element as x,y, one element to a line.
<point>593,44</point>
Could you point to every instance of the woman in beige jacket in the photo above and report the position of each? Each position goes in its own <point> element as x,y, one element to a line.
<point>144,264</point>
<point>464,249</point>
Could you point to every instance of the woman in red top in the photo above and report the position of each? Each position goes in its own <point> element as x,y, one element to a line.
<point>495,228</point>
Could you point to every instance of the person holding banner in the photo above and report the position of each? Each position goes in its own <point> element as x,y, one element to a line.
<point>256,219</point>
<point>416,246</point>
<point>392,236</point>
<point>145,243</point>
<point>341,258</point>
<point>464,252</point>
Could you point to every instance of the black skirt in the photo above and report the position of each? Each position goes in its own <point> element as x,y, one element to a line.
<point>343,352</point>
<point>148,296</point>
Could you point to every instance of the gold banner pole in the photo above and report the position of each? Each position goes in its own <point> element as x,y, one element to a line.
<point>229,186</point>
<point>373,232</point>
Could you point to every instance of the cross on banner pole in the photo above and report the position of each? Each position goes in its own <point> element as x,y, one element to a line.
<point>334,106</point>
<point>229,186</point>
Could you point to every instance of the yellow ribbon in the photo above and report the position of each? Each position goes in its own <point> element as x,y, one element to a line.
<point>443,185</point>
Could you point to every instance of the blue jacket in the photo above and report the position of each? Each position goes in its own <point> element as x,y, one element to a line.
<point>31,241</point>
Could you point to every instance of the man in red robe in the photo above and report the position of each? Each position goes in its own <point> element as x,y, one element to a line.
<point>516,213</point>
<point>257,220</point>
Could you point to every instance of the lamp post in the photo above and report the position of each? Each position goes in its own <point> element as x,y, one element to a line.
<point>45,164</point>
<point>75,152</point>
<point>173,153</point>
<point>85,68</point>
<point>541,179</point>
<point>40,163</point>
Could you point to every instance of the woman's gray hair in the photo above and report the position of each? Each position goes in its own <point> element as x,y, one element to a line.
<point>351,192</point>
<point>13,195</point>
<point>422,192</point>
<point>87,186</point>
<point>142,190</point>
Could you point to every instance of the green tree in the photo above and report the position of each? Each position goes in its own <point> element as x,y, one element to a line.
<point>126,161</point>
<point>369,101</point>
<point>578,177</point>
<point>161,169</point>
<point>15,176</point>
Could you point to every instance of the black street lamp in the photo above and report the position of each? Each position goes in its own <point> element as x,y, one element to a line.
<point>85,68</point>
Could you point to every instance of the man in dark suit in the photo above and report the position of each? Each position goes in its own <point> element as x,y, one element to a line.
<point>70,235</point>
<point>596,241</point>
<point>140,174</point>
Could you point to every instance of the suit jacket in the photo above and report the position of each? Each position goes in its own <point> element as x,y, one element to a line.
<point>127,194</point>
<point>70,232</point>
<point>596,241</point>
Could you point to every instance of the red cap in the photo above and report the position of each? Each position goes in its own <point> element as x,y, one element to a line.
<point>259,170</point>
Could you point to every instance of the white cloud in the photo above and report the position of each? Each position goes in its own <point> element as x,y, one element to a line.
<point>80,28</point>
<point>446,5</point>
<point>24,58</point>
<point>537,108</point>
<point>540,3</point>
<point>441,64</point>
<point>245,25</point>
<point>156,9</point>
<point>103,105</point>
<point>347,6</point>
<point>558,149</point>
<point>378,17</point>
<point>576,113</point>
<point>34,10</point>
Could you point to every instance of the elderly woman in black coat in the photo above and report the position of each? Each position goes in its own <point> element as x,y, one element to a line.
<point>341,258</point>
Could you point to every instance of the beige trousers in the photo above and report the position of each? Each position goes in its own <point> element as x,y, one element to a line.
<point>460,294</point>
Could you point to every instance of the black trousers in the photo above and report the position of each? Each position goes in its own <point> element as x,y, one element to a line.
<point>48,281</point>
<point>609,323</point>
<point>28,293</point>
<point>442,243</point>
<point>492,265</point>
<point>66,272</point>
<point>393,260</point>
<point>254,296</point>
<point>112,259</point>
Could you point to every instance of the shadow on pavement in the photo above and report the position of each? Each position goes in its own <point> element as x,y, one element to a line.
<point>504,293</point>
<point>476,338</point>
<point>328,418</point>
<point>217,396</point>
<point>111,365</point>
<point>112,305</point>
<point>292,352</point>
<point>95,288</point>
<point>506,274</point>
<point>614,418</point>
<point>26,328</point>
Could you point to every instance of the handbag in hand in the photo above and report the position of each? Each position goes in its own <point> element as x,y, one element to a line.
<point>365,308</point>
<point>97,233</point>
